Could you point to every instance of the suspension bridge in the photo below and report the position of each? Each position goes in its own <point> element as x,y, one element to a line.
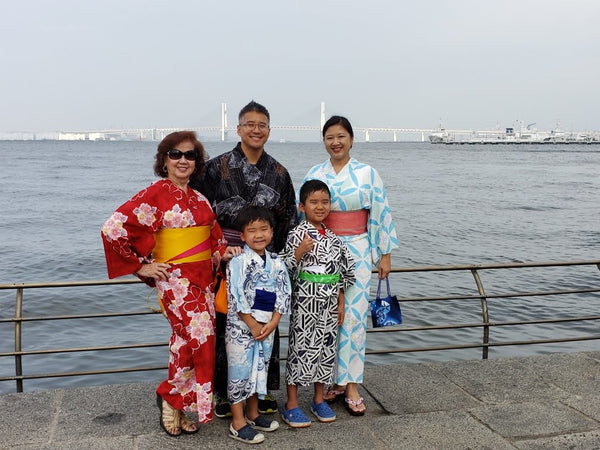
<point>225,131</point>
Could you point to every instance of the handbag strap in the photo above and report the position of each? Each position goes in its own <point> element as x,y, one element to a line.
<point>387,280</point>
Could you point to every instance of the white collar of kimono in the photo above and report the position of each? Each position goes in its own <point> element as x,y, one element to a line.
<point>257,257</point>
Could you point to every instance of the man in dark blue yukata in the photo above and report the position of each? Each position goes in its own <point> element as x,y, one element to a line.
<point>244,176</point>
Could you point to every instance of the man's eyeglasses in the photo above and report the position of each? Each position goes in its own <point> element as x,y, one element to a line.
<point>262,126</point>
<point>177,154</point>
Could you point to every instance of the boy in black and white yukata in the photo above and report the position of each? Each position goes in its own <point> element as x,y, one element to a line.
<point>321,267</point>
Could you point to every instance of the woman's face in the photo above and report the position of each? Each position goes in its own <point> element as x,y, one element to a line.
<point>338,143</point>
<point>180,170</point>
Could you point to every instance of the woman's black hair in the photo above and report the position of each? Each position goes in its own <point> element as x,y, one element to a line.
<point>339,120</point>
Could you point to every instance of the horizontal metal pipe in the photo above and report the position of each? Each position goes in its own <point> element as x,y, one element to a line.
<point>20,287</point>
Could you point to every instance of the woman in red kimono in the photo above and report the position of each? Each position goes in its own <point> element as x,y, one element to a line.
<point>167,235</point>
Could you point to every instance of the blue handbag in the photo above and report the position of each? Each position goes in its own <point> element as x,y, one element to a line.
<point>385,311</point>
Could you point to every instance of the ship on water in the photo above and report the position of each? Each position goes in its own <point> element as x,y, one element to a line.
<point>525,134</point>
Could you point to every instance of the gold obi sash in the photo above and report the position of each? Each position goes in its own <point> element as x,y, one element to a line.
<point>347,223</point>
<point>182,245</point>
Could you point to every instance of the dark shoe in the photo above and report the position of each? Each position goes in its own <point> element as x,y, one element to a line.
<point>263,424</point>
<point>246,434</point>
<point>222,407</point>
<point>268,405</point>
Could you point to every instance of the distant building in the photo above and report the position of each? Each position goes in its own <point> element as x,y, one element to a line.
<point>71,136</point>
<point>96,136</point>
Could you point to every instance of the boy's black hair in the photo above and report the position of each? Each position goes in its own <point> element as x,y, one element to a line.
<point>251,214</point>
<point>311,186</point>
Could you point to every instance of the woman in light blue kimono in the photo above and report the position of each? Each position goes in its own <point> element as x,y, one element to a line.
<point>361,216</point>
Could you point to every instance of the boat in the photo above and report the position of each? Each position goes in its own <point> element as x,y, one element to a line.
<point>527,134</point>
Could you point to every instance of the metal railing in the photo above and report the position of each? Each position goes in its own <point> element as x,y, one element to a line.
<point>486,324</point>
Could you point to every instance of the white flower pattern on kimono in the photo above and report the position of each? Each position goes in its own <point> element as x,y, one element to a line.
<point>175,218</point>
<point>174,347</point>
<point>204,399</point>
<point>200,326</point>
<point>113,227</point>
<point>210,299</point>
<point>183,381</point>
<point>179,287</point>
<point>145,214</point>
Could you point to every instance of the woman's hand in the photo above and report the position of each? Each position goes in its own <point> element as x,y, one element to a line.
<point>155,270</point>
<point>385,265</point>
<point>230,252</point>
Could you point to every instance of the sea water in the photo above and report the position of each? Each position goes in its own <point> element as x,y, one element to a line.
<point>451,205</point>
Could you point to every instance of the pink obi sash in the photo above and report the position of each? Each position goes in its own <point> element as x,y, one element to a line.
<point>182,245</point>
<point>347,223</point>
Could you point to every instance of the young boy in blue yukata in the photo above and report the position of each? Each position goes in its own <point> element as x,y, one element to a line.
<point>322,267</point>
<point>258,294</point>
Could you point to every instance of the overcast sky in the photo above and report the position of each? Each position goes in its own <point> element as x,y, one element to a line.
<point>86,65</point>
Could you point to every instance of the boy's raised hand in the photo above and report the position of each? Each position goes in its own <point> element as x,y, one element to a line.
<point>306,245</point>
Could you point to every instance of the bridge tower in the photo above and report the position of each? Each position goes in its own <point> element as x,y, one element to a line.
<point>223,121</point>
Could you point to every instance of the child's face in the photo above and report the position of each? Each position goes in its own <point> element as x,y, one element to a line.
<point>257,235</point>
<point>316,207</point>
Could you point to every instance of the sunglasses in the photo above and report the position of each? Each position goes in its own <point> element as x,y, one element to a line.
<point>190,155</point>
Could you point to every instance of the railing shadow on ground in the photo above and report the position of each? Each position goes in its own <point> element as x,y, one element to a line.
<point>575,292</point>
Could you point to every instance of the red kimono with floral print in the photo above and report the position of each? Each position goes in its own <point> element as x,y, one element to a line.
<point>129,237</point>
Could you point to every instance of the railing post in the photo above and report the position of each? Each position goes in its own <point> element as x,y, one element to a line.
<point>18,345</point>
<point>484,313</point>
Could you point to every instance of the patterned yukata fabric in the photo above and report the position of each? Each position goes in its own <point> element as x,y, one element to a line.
<point>313,322</point>
<point>230,183</point>
<point>358,186</point>
<point>128,238</point>
<point>248,359</point>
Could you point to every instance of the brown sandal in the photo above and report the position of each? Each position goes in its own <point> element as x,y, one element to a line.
<point>169,417</point>
<point>187,426</point>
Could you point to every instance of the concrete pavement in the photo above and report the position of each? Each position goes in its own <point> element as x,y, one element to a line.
<point>537,402</point>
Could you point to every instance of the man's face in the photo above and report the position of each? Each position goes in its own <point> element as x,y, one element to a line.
<point>254,130</point>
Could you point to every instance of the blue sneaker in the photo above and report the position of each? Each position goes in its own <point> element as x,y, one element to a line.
<point>246,434</point>
<point>295,417</point>
<point>323,412</point>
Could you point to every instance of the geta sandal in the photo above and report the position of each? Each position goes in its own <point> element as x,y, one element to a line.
<point>352,404</point>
